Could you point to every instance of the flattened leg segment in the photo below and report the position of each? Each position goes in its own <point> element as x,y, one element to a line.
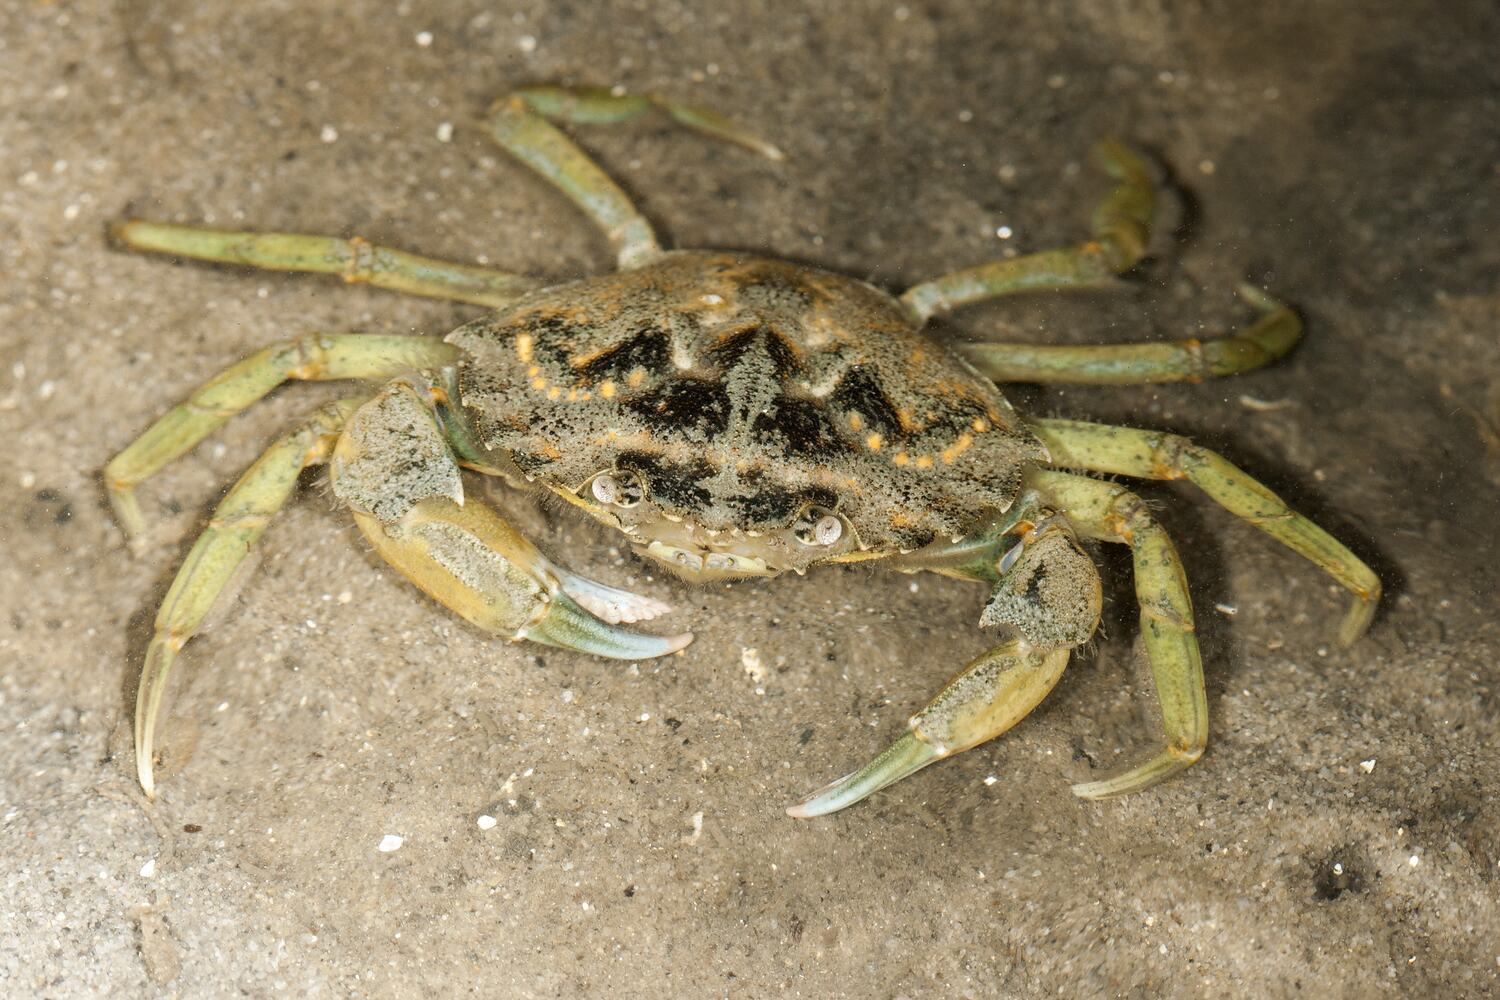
<point>1122,227</point>
<point>316,357</point>
<point>356,260</point>
<point>520,124</point>
<point>1111,513</point>
<point>236,526</point>
<point>1126,451</point>
<point>1270,337</point>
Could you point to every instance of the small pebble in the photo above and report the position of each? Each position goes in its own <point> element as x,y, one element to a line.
<point>329,134</point>
<point>390,842</point>
<point>486,822</point>
<point>424,38</point>
<point>1367,766</point>
<point>148,869</point>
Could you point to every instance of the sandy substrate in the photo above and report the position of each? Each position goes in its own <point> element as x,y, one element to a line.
<point>1338,840</point>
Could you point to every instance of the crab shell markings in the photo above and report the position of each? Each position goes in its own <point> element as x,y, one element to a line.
<point>747,401</point>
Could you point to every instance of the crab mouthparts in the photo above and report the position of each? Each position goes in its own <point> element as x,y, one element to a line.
<point>698,564</point>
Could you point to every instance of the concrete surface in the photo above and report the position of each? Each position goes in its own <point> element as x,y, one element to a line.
<point>1339,839</point>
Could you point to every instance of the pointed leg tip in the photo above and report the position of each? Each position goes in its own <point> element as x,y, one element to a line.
<point>677,643</point>
<point>143,774</point>
<point>1356,621</point>
<point>1090,790</point>
<point>828,799</point>
<point>902,758</point>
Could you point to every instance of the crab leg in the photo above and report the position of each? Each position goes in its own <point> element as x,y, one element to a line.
<point>1125,451</point>
<point>1193,360</point>
<point>519,123</point>
<point>317,356</point>
<point>993,693</point>
<point>599,106</point>
<point>1111,513</point>
<point>356,260</point>
<point>237,524</point>
<point>1122,228</point>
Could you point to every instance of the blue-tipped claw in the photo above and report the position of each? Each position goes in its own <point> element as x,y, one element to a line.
<point>569,626</point>
<point>903,757</point>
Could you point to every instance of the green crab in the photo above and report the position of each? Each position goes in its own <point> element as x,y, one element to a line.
<point>733,416</point>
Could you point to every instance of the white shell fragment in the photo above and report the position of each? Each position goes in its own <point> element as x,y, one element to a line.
<point>390,842</point>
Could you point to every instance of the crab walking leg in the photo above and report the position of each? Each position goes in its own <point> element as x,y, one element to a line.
<point>993,693</point>
<point>237,524</point>
<point>1193,360</point>
<point>1111,513</point>
<point>470,559</point>
<point>1125,451</point>
<point>519,123</point>
<point>317,356</point>
<point>356,260</point>
<point>598,106</point>
<point>1122,228</point>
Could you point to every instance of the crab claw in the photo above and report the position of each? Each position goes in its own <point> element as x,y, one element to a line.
<point>610,603</point>
<point>994,692</point>
<point>905,756</point>
<point>567,625</point>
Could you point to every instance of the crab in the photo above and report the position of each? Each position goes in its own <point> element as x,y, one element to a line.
<point>733,416</point>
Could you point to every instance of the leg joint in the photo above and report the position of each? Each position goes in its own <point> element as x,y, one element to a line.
<point>311,350</point>
<point>1170,453</point>
<point>1129,516</point>
<point>1190,751</point>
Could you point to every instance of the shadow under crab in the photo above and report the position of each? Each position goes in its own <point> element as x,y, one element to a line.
<point>733,416</point>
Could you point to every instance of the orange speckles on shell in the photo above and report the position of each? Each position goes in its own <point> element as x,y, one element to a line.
<point>745,388</point>
<point>964,443</point>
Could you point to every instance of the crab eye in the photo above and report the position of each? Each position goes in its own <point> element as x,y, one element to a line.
<point>818,526</point>
<point>620,488</point>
